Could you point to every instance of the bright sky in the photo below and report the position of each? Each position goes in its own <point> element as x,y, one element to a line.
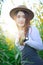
<point>7,24</point>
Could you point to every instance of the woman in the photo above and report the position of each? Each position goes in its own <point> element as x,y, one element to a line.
<point>29,38</point>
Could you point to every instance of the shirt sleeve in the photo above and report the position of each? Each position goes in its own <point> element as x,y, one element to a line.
<point>34,39</point>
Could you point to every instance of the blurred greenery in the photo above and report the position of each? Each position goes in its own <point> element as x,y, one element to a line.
<point>8,56</point>
<point>40,54</point>
<point>38,19</point>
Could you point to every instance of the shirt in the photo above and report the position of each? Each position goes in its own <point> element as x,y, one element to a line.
<point>33,39</point>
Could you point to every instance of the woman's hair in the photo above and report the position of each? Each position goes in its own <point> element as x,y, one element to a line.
<point>27,23</point>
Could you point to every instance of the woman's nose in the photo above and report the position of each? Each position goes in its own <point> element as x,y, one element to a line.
<point>21,19</point>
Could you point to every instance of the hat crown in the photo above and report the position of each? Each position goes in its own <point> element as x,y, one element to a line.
<point>22,6</point>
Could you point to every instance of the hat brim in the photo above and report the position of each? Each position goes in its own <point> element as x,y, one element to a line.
<point>30,13</point>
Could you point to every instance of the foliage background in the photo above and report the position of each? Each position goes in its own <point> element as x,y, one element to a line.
<point>9,53</point>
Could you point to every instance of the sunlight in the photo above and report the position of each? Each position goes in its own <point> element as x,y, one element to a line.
<point>9,26</point>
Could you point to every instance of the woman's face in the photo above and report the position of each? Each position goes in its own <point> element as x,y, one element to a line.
<point>20,19</point>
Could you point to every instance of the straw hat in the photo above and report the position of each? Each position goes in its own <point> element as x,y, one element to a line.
<point>22,8</point>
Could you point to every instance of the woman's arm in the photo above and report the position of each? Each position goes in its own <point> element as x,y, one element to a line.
<point>34,39</point>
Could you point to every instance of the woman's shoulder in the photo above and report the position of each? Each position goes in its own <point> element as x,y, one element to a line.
<point>33,29</point>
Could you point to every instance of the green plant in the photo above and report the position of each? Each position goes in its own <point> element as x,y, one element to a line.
<point>8,56</point>
<point>41,54</point>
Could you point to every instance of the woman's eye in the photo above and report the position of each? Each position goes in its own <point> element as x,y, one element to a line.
<point>23,16</point>
<point>20,16</point>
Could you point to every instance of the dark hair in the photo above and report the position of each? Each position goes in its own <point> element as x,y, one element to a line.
<point>26,13</point>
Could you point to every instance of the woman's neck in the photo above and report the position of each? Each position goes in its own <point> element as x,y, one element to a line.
<point>21,28</point>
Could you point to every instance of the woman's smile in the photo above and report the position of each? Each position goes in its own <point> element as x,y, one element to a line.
<point>21,22</point>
